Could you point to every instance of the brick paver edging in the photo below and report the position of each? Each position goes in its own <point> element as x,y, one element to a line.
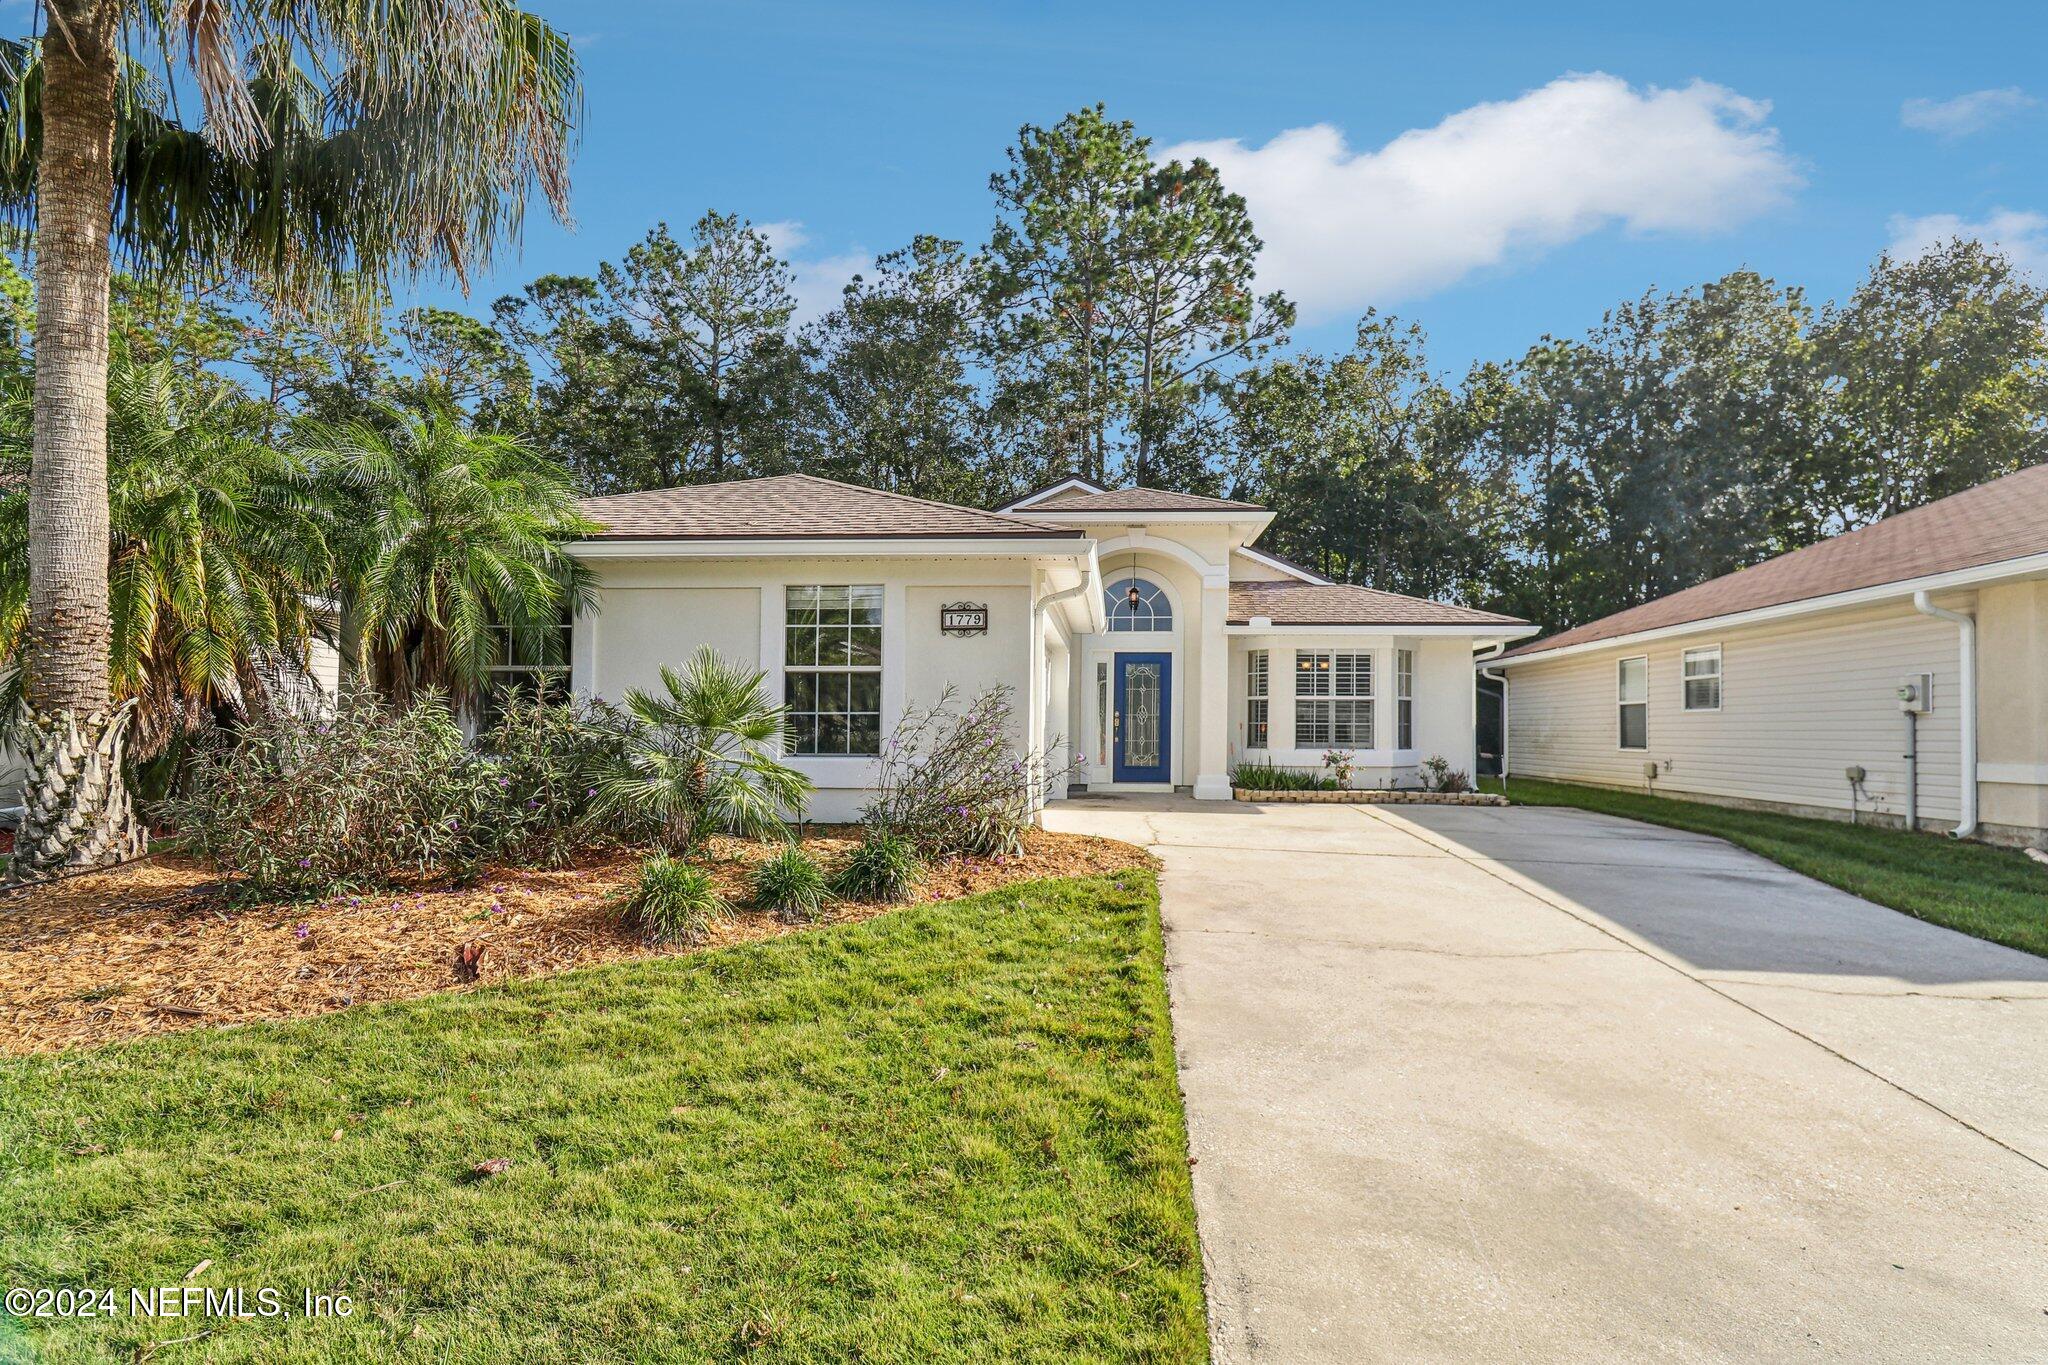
<point>1377,798</point>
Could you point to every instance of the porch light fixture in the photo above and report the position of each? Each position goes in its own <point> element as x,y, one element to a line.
<point>1131,593</point>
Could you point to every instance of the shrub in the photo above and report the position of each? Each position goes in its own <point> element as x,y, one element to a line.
<point>673,902</point>
<point>548,758</point>
<point>700,756</point>
<point>885,867</point>
<point>1439,776</point>
<point>1340,763</point>
<point>1265,777</point>
<point>792,885</point>
<point>304,804</point>
<point>952,781</point>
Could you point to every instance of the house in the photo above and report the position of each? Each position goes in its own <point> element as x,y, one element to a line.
<point>1141,632</point>
<point>1896,673</point>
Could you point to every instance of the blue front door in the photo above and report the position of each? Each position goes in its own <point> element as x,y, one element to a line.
<point>1144,711</point>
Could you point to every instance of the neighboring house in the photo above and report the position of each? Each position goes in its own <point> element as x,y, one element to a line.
<point>1770,685</point>
<point>1139,631</point>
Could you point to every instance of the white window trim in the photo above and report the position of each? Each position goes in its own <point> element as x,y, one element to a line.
<point>1265,694</point>
<point>1112,578</point>
<point>1619,747</point>
<point>499,671</point>
<point>1404,699</point>
<point>1103,756</point>
<point>879,669</point>
<point>1719,685</point>
<point>1371,698</point>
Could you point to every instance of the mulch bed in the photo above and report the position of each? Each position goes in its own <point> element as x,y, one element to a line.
<point>157,946</point>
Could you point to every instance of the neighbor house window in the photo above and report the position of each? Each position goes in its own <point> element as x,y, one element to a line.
<point>832,669</point>
<point>1404,698</point>
<point>1702,670</point>
<point>528,661</point>
<point>1332,699</point>
<point>1257,677</point>
<point>1151,611</point>
<point>1632,695</point>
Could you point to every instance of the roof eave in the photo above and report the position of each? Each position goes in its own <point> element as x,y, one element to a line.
<point>1055,543</point>
<point>1979,575</point>
<point>1491,630</point>
<point>1291,569</point>
<point>1038,495</point>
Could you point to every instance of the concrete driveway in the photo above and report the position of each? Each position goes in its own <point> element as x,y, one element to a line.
<point>1477,1084</point>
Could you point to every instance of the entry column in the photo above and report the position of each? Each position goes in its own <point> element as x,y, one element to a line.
<point>1212,714</point>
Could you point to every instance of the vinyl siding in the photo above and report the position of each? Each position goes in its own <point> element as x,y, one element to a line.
<point>1800,702</point>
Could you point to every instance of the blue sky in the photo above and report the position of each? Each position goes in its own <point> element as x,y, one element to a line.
<point>1494,173</point>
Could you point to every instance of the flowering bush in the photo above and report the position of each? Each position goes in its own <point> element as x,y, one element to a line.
<point>549,758</point>
<point>301,804</point>
<point>1340,762</point>
<point>1439,776</point>
<point>951,780</point>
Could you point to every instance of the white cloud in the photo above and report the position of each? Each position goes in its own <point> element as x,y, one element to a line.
<point>1971,113</point>
<point>817,281</point>
<point>2021,235</point>
<point>1347,228</point>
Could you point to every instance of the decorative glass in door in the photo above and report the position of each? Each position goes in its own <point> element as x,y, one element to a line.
<point>1144,701</point>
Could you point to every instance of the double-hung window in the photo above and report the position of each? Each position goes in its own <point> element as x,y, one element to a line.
<point>1257,698</point>
<point>529,661</point>
<point>1632,697</point>
<point>1404,698</point>
<point>832,669</point>
<point>1332,699</point>
<point>1702,671</point>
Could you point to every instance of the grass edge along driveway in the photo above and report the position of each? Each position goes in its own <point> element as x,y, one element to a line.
<point>948,1133</point>
<point>1978,889</point>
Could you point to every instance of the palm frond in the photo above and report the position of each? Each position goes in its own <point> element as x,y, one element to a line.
<point>340,143</point>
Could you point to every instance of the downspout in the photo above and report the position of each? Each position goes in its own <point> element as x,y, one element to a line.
<point>1089,577</point>
<point>1495,675</point>
<point>1966,639</point>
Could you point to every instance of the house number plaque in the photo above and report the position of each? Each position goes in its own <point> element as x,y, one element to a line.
<point>964,618</point>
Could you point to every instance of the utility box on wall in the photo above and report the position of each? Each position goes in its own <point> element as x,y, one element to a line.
<point>1916,693</point>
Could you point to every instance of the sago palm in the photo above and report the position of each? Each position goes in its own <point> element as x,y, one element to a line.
<point>442,536</point>
<point>337,143</point>
<point>702,756</point>
<point>216,564</point>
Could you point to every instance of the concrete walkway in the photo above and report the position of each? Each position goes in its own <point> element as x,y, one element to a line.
<point>1476,1084</point>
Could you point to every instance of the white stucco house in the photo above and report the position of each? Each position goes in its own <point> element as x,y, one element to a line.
<point>1897,674</point>
<point>1140,631</point>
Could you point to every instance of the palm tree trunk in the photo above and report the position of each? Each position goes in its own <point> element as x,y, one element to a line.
<point>75,804</point>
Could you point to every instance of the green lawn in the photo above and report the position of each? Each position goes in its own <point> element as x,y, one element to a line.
<point>948,1133</point>
<point>1993,893</point>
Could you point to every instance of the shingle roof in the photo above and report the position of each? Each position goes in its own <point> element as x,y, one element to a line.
<point>1342,604</point>
<point>1138,500</point>
<point>794,507</point>
<point>2004,519</point>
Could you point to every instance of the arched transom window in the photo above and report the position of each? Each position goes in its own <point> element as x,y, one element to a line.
<point>1152,612</point>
